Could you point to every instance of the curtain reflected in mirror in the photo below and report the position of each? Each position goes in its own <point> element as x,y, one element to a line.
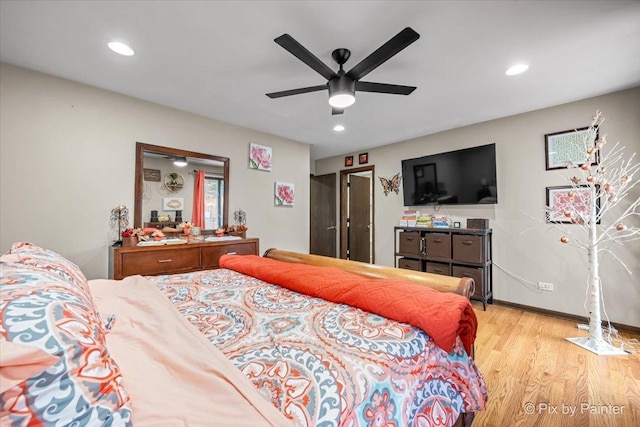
<point>169,192</point>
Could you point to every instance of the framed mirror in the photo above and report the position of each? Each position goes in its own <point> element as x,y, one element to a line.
<point>165,183</point>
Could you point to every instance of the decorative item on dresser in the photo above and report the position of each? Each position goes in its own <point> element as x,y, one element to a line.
<point>171,259</point>
<point>119,219</point>
<point>459,252</point>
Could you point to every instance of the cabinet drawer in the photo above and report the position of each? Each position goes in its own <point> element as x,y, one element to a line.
<point>472,272</point>
<point>211,254</point>
<point>409,264</point>
<point>409,242</point>
<point>438,245</point>
<point>467,248</point>
<point>438,268</point>
<point>151,262</point>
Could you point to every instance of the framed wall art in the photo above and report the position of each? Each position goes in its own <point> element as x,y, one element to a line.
<point>570,205</point>
<point>172,203</point>
<point>569,147</point>
<point>363,158</point>
<point>259,157</point>
<point>152,175</point>
<point>284,194</point>
<point>348,161</point>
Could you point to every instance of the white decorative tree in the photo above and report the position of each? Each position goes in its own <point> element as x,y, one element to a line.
<point>597,190</point>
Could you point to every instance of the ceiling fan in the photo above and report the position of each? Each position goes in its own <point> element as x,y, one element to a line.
<point>343,85</point>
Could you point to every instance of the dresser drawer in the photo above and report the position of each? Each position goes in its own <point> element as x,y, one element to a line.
<point>152,261</point>
<point>467,248</point>
<point>438,245</point>
<point>409,243</point>
<point>438,268</point>
<point>211,254</point>
<point>473,273</point>
<point>409,264</point>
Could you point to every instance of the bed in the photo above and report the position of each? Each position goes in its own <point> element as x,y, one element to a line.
<point>139,351</point>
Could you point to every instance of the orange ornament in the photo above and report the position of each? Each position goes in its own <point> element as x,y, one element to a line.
<point>568,214</point>
<point>621,227</point>
<point>564,239</point>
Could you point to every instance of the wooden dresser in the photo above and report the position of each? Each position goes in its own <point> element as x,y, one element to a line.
<point>171,259</point>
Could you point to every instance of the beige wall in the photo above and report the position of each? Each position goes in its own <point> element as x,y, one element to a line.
<point>522,246</point>
<point>67,157</point>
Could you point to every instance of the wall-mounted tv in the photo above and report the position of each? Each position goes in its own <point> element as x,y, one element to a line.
<point>462,177</point>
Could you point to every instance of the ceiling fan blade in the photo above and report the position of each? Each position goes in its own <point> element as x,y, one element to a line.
<point>296,91</point>
<point>398,42</point>
<point>384,88</point>
<point>336,111</point>
<point>300,52</point>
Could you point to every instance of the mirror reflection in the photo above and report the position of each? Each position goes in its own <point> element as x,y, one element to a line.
<point>175,185</point>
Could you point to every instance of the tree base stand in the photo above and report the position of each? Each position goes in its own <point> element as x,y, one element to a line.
<point>601,348</point>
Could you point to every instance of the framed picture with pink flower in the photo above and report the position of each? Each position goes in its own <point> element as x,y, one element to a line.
<point>259,157</point>
<point>284,194</point>
<point>572,204</point>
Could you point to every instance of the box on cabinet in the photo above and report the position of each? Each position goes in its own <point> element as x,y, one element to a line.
<point>477,223</point>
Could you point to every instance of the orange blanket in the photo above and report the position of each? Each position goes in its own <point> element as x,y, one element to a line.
<point>443,316</point>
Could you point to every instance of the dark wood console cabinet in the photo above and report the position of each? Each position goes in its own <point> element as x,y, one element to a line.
<point>458,252</point>
<point>171,259</point>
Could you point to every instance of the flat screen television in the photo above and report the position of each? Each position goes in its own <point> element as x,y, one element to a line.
<point>462,177</point>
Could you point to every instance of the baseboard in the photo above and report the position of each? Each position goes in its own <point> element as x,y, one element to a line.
<point>580,319</point>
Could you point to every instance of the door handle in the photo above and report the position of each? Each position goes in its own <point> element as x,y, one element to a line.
<point>331,227</point>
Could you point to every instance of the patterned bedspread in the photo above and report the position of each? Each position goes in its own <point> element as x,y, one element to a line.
<point>327,364</point>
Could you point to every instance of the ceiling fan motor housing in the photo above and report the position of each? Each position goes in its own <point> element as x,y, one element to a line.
<point>342,85</point>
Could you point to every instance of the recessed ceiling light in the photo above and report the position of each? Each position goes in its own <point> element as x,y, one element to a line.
<point>121,48</point>
<point>338,128</point>
<point>517,69</point>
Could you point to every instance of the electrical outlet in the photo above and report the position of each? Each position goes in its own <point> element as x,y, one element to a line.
<point>543,286</point>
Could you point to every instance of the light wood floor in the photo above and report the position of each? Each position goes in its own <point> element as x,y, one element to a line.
<point>533,374</point>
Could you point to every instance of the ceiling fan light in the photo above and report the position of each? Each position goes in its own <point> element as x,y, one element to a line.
<point>342,100</point>
<point>342,92</point>
<point>180,161</point>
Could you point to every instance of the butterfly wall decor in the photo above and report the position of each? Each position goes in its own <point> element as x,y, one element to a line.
<point>391,184</point>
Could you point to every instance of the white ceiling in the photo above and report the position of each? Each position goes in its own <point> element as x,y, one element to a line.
<point>218,58</point>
